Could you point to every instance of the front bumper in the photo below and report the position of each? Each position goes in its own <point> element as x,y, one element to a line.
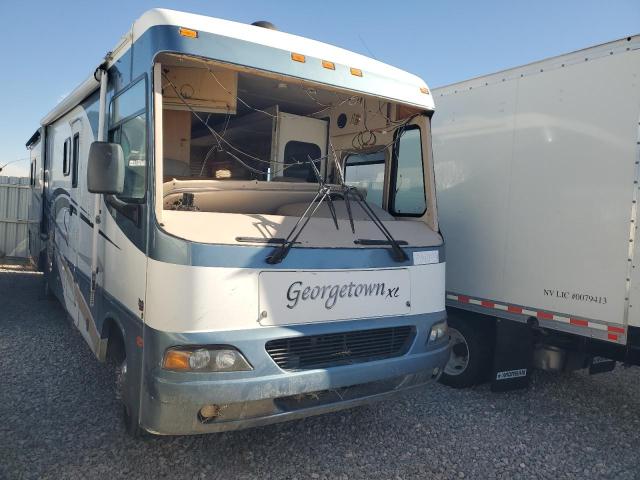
<point>171,401</point>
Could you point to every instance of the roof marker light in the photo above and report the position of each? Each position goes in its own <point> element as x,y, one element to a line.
<point>356,72</point>
<point>187,32</point>
<point>298,57</point>
<point>424,90</point>
<point>328,64</point>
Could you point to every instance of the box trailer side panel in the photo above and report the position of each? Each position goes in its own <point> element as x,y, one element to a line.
<point>537,175</point>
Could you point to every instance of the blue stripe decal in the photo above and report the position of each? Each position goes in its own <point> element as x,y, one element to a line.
<point>165,38</point>
<point>245,256</point>
<point>61,193</point>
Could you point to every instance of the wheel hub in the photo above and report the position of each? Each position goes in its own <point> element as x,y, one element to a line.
<point>459,358</point>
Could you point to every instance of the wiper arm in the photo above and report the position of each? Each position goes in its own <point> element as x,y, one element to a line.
<point>282,251</point>
<point>397,253</point>
<point>341,182</point>
<point>324,193</point>
<point>321,182</point>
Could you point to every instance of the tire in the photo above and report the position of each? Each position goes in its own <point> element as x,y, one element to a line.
<point>48,293</point>
<point>471,352</point>
<point>129,420</point>
<point>118,359</point>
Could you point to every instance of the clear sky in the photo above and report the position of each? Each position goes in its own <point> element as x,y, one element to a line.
<point>48,47</point>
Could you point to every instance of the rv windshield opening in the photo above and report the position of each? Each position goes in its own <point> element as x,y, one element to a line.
<point>240,141</point>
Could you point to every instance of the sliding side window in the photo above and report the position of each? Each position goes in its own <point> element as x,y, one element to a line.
<point>365,171</point>
<point>66,157</point>
<point>76,159</point>
<point>128,127</point>
<point>408,197</point>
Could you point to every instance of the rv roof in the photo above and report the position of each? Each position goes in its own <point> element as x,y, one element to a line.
<point>392,83</point>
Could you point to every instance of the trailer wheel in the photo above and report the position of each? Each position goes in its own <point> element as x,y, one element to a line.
<point>470,357</point>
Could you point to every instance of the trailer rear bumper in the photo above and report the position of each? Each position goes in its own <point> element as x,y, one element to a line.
<point>171,402</point>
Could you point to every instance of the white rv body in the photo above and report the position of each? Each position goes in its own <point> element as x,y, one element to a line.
<point>179,263</point>
<point>537,177</point>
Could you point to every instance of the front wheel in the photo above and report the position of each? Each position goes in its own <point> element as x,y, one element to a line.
<point>129,420</point>
<point>47,268</point>
<point>117,354</point>
<point>471,347</point>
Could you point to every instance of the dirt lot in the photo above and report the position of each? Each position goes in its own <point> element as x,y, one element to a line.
<point>59,419</point>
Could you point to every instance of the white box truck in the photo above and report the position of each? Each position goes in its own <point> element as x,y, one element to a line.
<point>537,182</point>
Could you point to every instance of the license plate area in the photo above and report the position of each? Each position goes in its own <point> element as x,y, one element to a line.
<point>293,297</point>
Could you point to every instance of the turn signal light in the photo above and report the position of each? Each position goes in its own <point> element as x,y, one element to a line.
<point>328,64</point>
<point>298,57</point>
<point>187,32</point>
<point>176,360</point>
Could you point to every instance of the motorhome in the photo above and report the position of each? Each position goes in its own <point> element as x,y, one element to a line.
<point>537,176</point>
<point>244,222</point>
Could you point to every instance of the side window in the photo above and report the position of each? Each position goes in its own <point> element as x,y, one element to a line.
<point>76,159</point>
<point>66,157</point>
<point>408,194</point>
<point>32,173</point>
<point>128,127</point>
<point>365,171</point>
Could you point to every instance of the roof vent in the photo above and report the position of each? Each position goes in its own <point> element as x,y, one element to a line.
<point>264,24</point>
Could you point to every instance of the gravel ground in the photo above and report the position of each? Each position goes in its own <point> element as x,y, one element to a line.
<point>59,419</point>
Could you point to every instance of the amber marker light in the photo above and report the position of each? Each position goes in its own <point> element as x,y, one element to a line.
<point>176,360</point>
<point>187,32</point>
<point>424,90</point>
<point>356,72</point>
<point>329,65</point>
<point>298,57</point>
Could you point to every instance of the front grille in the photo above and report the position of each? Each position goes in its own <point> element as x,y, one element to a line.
<point>335,349</point>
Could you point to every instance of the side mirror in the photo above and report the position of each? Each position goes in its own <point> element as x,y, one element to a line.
<point>105,170</point>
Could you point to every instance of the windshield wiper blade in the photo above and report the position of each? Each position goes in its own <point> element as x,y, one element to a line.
<point>376,241</point>
<point>397,253</point>
<point>271,240</point>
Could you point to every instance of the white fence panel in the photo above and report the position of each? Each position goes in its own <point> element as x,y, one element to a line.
<point>15,196</point>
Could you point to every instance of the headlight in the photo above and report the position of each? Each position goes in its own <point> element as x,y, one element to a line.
<point>205,359</point>
<point>438,332</point>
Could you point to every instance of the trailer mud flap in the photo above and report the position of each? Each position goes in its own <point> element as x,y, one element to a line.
<point>601,365</point>
<point>513,356</point>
